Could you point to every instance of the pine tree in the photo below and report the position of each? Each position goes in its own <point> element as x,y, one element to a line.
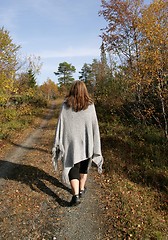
<point>31,79</point>
<point>64,73</point>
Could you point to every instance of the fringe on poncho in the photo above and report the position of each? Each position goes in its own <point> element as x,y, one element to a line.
<point>77,138</point>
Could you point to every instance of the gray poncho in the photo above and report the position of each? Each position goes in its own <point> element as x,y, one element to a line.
<point>77,138</point>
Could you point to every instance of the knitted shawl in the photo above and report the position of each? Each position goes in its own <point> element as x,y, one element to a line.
<point>77,138</point>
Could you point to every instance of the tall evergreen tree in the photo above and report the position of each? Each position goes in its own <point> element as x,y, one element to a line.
<point>31,81</point>
<point>64,73</point>
<point>103,55</point>
<point>86,73</point>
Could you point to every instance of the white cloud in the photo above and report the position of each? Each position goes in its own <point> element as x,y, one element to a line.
<point>70,52</point>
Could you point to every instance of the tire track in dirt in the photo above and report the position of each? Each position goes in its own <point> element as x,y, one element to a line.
<point>33,201</point>
<point>19,151</point>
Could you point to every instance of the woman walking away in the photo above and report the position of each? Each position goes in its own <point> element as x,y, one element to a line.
<point>77,140</point>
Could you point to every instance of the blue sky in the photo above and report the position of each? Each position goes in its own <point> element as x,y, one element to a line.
<point>55,30</point>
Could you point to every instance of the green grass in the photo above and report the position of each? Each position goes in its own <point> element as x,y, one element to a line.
<point>10,127</point>
<point>143,151</point>
<point>136,166</point>
<point>14,119</point>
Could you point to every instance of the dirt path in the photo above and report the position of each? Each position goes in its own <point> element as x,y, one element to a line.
<point>34,204</point>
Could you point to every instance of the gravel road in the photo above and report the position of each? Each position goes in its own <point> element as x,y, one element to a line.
<point>34,202</point>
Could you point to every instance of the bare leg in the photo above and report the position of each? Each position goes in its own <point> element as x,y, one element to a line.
<point>75,186</point>
<point>82,182</point>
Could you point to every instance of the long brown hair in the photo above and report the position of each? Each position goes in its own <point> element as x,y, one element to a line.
<point>78,98</point>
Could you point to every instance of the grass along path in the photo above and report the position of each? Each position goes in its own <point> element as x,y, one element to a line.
<point>133,210</point>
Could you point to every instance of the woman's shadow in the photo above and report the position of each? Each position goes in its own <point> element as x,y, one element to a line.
<point>33,177</point>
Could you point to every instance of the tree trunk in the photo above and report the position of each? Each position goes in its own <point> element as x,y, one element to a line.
<point>164,114</point>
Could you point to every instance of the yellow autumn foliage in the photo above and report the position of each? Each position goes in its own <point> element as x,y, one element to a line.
<point>154,42</point>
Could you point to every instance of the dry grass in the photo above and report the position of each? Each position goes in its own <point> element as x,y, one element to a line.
<point>133,206</point>
<point>135,189</point>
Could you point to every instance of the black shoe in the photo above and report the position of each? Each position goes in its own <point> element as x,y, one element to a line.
<point>75,200</point>
<point>82,193</point>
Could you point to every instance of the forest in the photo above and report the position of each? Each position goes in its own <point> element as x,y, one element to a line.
<point>129,85</point>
